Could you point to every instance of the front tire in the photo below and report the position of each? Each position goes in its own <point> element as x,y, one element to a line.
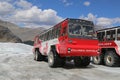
<point>111,59</point>
<point>98,59</point>
<point>82,61</point>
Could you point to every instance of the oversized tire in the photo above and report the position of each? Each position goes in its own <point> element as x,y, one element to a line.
<point>98,59</point>
<point>63,61</point>
<point>111,59</point>
<point>38,56</point>
<point>34,56</point>
<point>54,60</point>
<point>81,61</point>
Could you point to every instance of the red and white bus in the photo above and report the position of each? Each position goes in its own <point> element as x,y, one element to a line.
<point>109,42</point>
<point>70,39</point>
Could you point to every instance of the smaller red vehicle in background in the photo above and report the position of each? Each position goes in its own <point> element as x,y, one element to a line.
<point>71,39</point>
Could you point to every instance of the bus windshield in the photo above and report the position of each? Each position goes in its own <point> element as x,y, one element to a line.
<point>77,30</point>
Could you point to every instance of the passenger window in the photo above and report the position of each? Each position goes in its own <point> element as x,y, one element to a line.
<point>113,35</point>
<point>101,36</point>
<point>110,35</point>
<point>58,32</point>
<point>118,34</point>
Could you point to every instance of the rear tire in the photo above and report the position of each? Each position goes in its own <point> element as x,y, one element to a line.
<point>82,61</point>
<point>54,60</point>
<point>111,59</point>
<point>98,59</point>
<point>38,56</point>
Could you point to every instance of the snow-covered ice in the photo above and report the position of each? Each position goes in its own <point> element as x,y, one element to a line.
<point>18,48</point>
<point>17,63</point>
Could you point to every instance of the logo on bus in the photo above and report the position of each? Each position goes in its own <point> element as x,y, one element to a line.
<point>105,44</point>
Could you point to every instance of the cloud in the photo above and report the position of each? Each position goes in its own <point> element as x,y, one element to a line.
<point>90,17</point>
<point>102,22</point>
<point>116,20</point>
<point>6,8</point>
<point>5,0</point>
<point>38,16</point>
<point>23,4</point>
<point>25,14</point>
<point>66,2</point>
<point>87,3</point>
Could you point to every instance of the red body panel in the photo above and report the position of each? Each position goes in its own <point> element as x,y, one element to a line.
<point>67,47</point>
<point>78,47</point>
<point>109,44</point>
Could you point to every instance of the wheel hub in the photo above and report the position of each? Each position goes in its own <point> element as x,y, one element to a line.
<point>109,59</point>
<point>36,55</point>
<point>96,58</point>
<point>51,58</point>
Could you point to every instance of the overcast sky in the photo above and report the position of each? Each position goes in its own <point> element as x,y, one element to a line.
<point>46,13</point>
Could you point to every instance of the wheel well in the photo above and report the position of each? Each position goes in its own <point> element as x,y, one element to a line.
<point>53,47</point>
<point>104,50</point>
<point>36,49</point>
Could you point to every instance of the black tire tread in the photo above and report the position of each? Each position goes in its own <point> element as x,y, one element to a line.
<point>100,61</point>
<point>40,56</point>
<point>116,59</point>
<point>58,61</point>
<point>82,62</point>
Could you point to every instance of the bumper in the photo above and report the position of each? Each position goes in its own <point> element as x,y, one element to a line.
<point>80,51</point>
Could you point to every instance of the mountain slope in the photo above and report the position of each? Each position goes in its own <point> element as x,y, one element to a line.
<point>7,36</point>
<point>26,34</point>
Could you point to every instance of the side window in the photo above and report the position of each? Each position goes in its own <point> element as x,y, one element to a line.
<point>58,32</point>
<point>45,38</point>
<point>40,37</point>
<point>110,35</point>
<point>113,35</point>
<point>118,34</point>
<point>50,34</point>
<point>101,36</point>
<point>54,33</point>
